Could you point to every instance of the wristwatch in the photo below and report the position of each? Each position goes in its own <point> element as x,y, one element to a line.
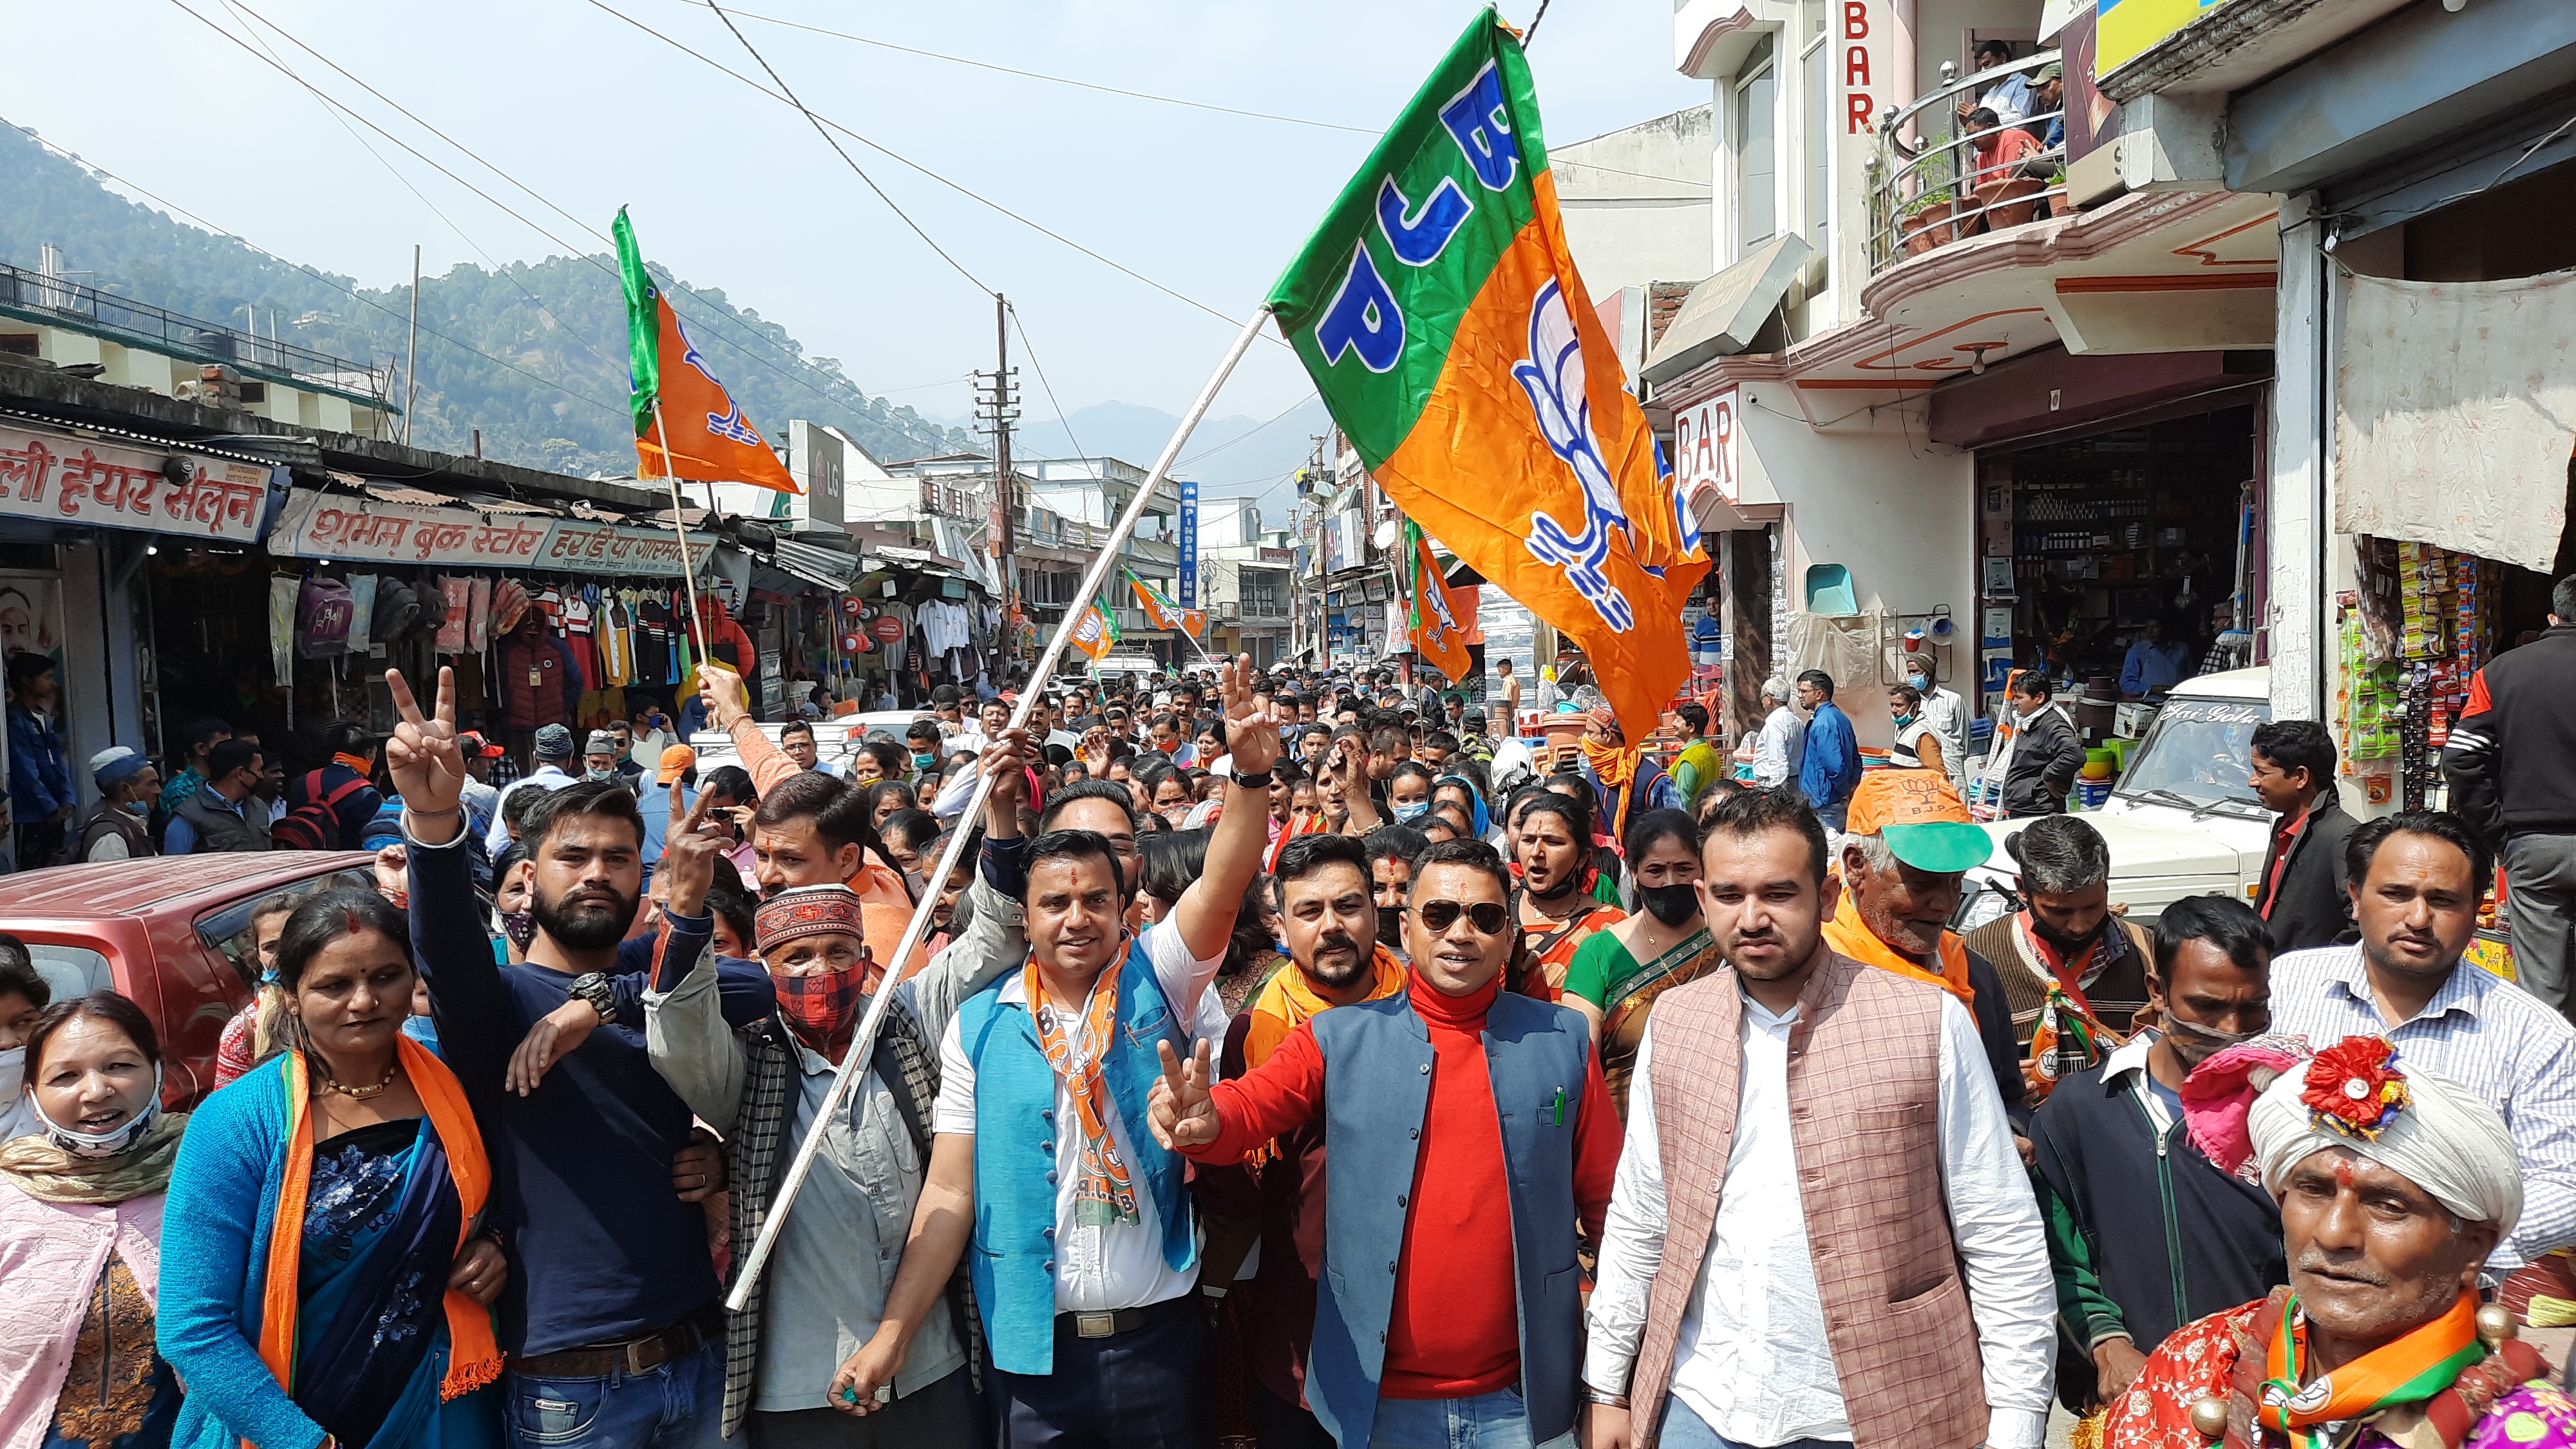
<point>594,988</point>
<point>1260,781</point>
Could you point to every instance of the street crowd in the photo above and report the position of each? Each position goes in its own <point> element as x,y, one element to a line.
<point>1663,1106</point>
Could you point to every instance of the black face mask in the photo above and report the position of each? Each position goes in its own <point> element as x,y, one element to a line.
<point>1670,904</point>
<point>1390,926</point>
<point>2065,944</point>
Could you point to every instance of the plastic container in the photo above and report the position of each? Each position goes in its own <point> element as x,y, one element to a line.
<point>2092,794</point>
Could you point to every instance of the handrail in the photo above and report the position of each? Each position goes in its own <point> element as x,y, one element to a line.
<point>40,292</point>
<point>1928,191</point>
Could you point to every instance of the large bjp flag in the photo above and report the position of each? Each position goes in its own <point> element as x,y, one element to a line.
<point>708,438</point>
<point>1439,312</point>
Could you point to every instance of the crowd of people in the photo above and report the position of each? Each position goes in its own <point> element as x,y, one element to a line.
<point>1664,1106</point>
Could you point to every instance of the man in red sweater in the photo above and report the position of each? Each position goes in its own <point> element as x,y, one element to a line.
<point>1460,1117</point>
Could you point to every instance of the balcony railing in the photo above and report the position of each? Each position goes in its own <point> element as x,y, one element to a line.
<point>1940,176</point>
<point>34,294</point>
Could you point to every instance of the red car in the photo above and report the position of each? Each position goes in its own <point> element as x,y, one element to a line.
<point>172,933</point>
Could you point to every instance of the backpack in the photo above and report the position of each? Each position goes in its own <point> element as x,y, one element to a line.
<point>315,824</point>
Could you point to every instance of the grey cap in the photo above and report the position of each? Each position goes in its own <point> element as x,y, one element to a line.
<point>554,742</point>
<point>601,743</point>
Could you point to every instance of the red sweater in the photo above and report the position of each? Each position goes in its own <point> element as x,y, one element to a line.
<point>1455,1331</point>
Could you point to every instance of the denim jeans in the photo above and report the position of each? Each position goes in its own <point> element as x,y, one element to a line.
<point>678,1405</point>
<point>1683,1429</point>
<point>1488,1421</point>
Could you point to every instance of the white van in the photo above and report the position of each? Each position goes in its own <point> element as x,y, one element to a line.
<point>2182,821</point>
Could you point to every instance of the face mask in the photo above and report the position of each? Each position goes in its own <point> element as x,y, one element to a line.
<point>1407,814</point>
<point>1920,681</point>
<point>1670,904</point>
<point>1902,720</point>
<point>2208,1037</point>
<point>13,1073</point>
<point>2064,943</point>
<point>923,762</point>
<point>599,777</point>
<point>1390,925</point>
<point>824,1006</point>
<point>520,927</point>
<point>138,807</point>
<point>111,1143</point>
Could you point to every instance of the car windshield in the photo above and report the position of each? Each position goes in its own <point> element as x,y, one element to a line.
<point>227,928</point>
<point>2199,749</point>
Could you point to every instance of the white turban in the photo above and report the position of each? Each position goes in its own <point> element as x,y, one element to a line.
<point>2443,1139</point>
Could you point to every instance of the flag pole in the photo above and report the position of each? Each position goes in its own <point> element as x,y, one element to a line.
<point>680,526</point>
<point>862,1044</point>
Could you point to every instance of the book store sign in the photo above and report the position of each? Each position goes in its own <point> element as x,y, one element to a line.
<point>328,526</point>
<point>81,482</point>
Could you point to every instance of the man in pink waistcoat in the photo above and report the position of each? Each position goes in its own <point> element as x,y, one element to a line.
<point>1820,1233</point>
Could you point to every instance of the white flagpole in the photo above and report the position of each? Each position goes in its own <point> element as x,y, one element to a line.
<point>863,1043</point>
<point>679,525</point>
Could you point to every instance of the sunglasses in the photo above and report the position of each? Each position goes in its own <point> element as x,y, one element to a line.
<point>1488,917</point>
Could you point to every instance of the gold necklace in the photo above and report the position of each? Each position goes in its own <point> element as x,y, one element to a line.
<point>359,1094</point>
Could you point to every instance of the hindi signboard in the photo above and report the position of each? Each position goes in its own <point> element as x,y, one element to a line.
<point>323,525</point>
<point>60,478</point>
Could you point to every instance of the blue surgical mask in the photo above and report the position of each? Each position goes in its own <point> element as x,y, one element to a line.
<point>922,761</point>
<point>1920,681</point>
<point>1903,720</point>
<point>1407,814</point>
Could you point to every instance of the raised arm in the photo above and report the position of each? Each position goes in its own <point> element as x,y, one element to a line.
<point>722,689</point>
<point>1207,909</point>
<point>995,941</point>
<point>685,1033</point>
<point>1218,1122</point>
<point>477,1025</point>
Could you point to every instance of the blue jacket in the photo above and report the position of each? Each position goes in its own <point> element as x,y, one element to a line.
<point>1831,769</point>
<point>1013,1253</point>
<point>39,782</point>
<point>1377,1094</point>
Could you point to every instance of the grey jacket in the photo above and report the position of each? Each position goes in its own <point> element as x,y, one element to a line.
<point>752,1080</point>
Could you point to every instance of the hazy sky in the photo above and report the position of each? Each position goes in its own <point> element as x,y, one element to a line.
<point>730,188</point>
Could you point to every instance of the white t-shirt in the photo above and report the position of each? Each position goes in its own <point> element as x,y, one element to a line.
<point>1099,1269</point>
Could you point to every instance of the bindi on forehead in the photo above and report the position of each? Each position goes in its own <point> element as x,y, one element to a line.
<point>2343,1173</point>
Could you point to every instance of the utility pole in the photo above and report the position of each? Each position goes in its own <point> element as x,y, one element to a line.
<point>411,349</point>
<point>997,407</point>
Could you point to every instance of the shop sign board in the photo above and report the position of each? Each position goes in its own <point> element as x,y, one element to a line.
<point>1189,544</point>
<point>57,478</point>
<point>322,525</point>
<point>1705,447</point>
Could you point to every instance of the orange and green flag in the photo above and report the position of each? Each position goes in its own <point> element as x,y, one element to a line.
<point>1161,611</point>
<point>1431,618</point>
<point>708,438</point>
<point>1095,631</point>
<point>1438,310</point>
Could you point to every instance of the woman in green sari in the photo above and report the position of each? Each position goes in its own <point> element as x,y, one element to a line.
<point>1619,970</point>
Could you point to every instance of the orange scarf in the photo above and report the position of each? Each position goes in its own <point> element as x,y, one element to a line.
<point>1848,934</point>
<point>1103,1193</point>
<point>1616,765</point>
<point>473,1358</point>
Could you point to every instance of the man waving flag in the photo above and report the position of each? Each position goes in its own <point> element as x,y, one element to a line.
<point>1438,309</point>
<point>686,424</point>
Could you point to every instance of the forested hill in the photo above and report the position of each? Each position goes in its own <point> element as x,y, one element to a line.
<point>559,323</point>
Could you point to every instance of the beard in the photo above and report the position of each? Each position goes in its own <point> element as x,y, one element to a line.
<point>588,919</point>
<point>1332,969</point>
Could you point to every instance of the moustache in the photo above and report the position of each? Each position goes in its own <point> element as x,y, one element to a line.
<point>2313,1260</point>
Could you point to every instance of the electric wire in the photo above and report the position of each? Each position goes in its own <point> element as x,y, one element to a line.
<point>320,276</point>
<point>719,315</point>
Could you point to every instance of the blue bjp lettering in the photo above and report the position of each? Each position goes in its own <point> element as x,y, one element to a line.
<point>1363,318</point>
<point>1418,234</point>
<point>1478,123</point>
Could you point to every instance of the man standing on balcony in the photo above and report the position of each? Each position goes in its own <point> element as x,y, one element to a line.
<point>2048,98</point>
<point>2008,98</point>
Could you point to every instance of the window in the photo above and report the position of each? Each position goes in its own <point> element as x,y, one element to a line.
<point>1757,145</point>
<point>1817,79</point>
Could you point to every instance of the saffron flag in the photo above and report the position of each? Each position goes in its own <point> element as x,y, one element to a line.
<point>1431,620</point>
<point>707,437</point>
<point>1162,612</point>
<point>1438,310</point>
<point>1095,631</point>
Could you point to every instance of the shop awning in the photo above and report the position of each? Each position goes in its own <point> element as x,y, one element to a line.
<point>1721,314</point>
<point>919,561</point>
<point>825,568</point>
<point>2452,414</point>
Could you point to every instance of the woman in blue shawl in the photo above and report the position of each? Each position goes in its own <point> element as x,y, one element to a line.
<point>325,1277</point>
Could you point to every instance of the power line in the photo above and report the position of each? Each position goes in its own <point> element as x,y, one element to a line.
<point>900,214</point>
<point>1041,76</point>
<point>911,164</point>
<point>1239,437</point>
<point>1062,420</point>
<point>577,253</point>
<point>323,277</point>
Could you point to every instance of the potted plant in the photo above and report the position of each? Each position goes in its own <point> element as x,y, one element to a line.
<point>1927,224</point>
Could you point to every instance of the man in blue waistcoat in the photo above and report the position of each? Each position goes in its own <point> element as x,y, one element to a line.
<point>1085,1256</point>
<point>1461,1117</point>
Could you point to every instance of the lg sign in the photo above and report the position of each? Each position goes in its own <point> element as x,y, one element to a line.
<point>1704,447</point>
